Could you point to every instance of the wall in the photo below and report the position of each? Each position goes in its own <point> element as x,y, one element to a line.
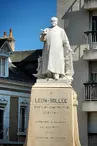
<point>75,20</point>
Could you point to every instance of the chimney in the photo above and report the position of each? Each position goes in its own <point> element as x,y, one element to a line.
<point>5,36</point>
<point>11,40</point>
<point>10,33</point>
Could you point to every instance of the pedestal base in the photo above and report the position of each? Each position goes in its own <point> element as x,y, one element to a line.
<point>53,117</point>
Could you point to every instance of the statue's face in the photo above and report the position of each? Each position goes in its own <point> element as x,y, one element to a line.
<point>54,21</point>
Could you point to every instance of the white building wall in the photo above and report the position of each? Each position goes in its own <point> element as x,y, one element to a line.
<point>23,98</point>
<point>75,20</point>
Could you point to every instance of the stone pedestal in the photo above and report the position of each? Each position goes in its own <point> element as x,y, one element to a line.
<point>53,115</point>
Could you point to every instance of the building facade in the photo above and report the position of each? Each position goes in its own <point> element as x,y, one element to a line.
<point>79,19</point>
<point>16,80</point>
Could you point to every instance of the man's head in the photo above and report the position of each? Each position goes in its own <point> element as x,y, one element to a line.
<point>54,21</point>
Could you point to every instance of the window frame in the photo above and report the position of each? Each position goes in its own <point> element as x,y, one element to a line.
<point>2,108</point>
<point>5,66</point>
<point>23,102</point>
<point>23,129</point>
<point>5,106</point>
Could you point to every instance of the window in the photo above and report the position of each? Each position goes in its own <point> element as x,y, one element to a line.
<point>22,118</point>
<point>94,28</point>
<point>92,129</point>
<point>94,23</point>
<point>3,67</point>
<point>23,113</point>
<point>4,117</point>
<point>93,71</point>
<point>1,122</point>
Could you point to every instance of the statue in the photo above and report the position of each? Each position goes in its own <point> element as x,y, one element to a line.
<point>56,60</point>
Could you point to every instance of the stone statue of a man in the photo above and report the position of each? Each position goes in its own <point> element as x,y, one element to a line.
<point>57,54</point>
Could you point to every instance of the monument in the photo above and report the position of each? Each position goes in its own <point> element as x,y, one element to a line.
<point>53,103</point>
<point>56,60</point>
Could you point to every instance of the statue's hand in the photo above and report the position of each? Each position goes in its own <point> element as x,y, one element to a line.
<point>44,31</point>
<point>43,34</point>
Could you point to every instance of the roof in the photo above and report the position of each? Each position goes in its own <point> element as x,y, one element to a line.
<point>24,65</point>
<point>15,74</point>
<point>25,56</point>
<point>2,41</point>
<point>18,75</point>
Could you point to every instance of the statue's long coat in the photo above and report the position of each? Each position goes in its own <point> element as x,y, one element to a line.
<point>55,46</point>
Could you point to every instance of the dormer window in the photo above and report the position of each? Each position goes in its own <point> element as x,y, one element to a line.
<point>5,51</point>
<point>3,67</point>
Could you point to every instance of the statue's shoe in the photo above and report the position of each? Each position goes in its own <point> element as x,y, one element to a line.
<point>56,76</point>
<point>40,76</point>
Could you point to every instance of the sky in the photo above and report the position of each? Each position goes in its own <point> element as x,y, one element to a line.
<point>26,18</point>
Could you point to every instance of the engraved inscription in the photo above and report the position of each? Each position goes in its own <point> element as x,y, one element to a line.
<point>51,119</point>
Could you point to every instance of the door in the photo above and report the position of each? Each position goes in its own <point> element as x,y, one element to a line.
<point>1,123</point>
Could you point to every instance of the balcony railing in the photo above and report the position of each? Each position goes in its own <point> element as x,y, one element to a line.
<point>91,39</point>
<point>90,4</point>
<point>90,91</point>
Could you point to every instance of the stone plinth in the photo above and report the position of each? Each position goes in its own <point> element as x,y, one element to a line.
<point>52,118</point>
